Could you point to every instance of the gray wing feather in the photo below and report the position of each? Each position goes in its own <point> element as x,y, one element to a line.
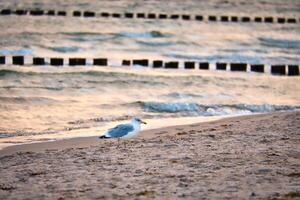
<point>120,130</point>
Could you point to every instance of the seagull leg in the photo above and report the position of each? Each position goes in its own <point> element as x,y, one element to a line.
<point>118,143</point>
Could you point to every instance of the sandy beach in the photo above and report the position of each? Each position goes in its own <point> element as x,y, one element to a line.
<point>248,157</point>
<point>216,81</point>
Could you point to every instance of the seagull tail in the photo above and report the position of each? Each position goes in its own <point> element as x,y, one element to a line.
<point>103,137</point>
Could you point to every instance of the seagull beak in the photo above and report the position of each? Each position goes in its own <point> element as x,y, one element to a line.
<point>143,122</point>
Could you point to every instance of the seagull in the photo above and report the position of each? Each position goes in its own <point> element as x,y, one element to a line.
<point>124,130</point>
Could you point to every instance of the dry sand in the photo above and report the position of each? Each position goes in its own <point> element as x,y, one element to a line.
<point>249,157</point>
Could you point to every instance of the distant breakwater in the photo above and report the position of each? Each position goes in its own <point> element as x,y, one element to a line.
<point>274,69</point>
<point>152,16</point>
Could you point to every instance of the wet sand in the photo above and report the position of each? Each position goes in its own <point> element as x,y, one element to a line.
<point>248,157</point>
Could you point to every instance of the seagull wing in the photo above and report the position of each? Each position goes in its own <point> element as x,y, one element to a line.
<point>119,131</point>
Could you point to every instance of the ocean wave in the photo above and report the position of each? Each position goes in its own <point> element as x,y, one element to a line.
<point>22,51</point>
<point>169,107</point>
<point>88,36</point>
<point>128,82</point>
<point>37,87</point>
<point>210,110</point>
<point>101,36</point>
<point>80,33</point>
<point>264,107</point>
<point>280,43</point>
<point>233,57</point>
<point>5,135</point>
<point>104,77</point>
<point>156,44</point>
<point>147,35</point>
<point>65,49</point>
<point>183,95</point>
<point>7,72</point>
<point>22,100</point>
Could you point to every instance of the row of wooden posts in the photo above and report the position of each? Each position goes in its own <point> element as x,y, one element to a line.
<point>279,69</point>
<point>141,15</point>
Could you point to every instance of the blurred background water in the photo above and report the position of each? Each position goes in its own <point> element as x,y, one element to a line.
<point>42,100</point>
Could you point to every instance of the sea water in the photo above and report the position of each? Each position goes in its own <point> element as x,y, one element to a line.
<point>59,101</point>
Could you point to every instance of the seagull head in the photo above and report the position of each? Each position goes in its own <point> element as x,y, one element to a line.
<point>138,120</point>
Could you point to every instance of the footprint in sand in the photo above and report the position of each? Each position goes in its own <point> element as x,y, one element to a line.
<point>182,133</point>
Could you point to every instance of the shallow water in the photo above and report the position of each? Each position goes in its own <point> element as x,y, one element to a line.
<point>49,100</point>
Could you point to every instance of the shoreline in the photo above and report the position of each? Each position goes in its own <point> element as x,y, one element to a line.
<point>82,142</point>
<point>94,132</point>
